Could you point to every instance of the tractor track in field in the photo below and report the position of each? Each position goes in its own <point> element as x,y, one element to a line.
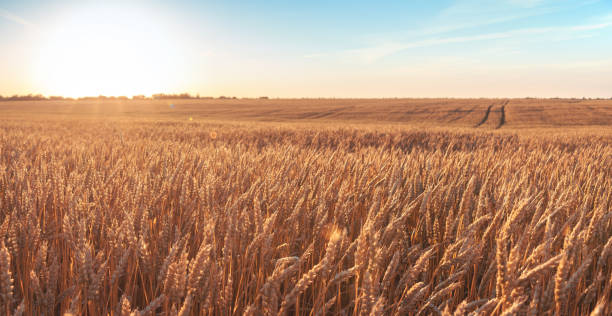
<point>486,117</point>
<point>502,119</point>
<point>501,110</point>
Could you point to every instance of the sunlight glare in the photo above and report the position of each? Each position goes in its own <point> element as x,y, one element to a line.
<point>109,51</point>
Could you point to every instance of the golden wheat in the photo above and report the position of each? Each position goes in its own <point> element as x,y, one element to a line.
<point>139,217</point>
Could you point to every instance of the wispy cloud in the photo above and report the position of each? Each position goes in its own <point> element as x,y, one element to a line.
<point>526,3</point>
<point>591,27</point>
<point>460,17</point>
<point>466,14</point>
<point>373,53</point>
<point>445,28</point>
<point>15,18</point>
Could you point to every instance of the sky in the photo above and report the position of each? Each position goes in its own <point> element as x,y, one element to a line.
<point>460,48</point>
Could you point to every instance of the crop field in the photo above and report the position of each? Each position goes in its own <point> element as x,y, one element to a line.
<point>306,207</point>
<point>484,113</point>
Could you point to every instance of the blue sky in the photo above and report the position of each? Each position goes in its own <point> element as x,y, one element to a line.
<point>466,48</point>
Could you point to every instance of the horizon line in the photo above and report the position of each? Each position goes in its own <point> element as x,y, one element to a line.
<point>188,96</point>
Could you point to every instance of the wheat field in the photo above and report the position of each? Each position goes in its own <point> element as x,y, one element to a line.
<point>136,209</point>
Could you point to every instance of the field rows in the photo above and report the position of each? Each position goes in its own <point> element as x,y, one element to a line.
<point>517,113</point>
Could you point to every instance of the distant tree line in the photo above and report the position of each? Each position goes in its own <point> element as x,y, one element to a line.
<point>28,97</point>
<point>168,96</point>
<point>165,96</point>
<point>157,96</point>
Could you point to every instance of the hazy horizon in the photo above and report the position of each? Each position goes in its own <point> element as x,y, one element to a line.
<point>457,49</point>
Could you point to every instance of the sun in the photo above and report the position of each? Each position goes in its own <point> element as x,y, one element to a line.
<point>106,50</point>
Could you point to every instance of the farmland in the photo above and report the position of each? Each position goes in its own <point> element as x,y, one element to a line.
<point>306,206</point>
<point>520,113</point>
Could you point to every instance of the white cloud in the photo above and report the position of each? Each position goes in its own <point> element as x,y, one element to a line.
<point>14,18</point>
<point>591,26</point>
<point>526,3</point>
<point>371,54</point>
<point>374,53</point>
